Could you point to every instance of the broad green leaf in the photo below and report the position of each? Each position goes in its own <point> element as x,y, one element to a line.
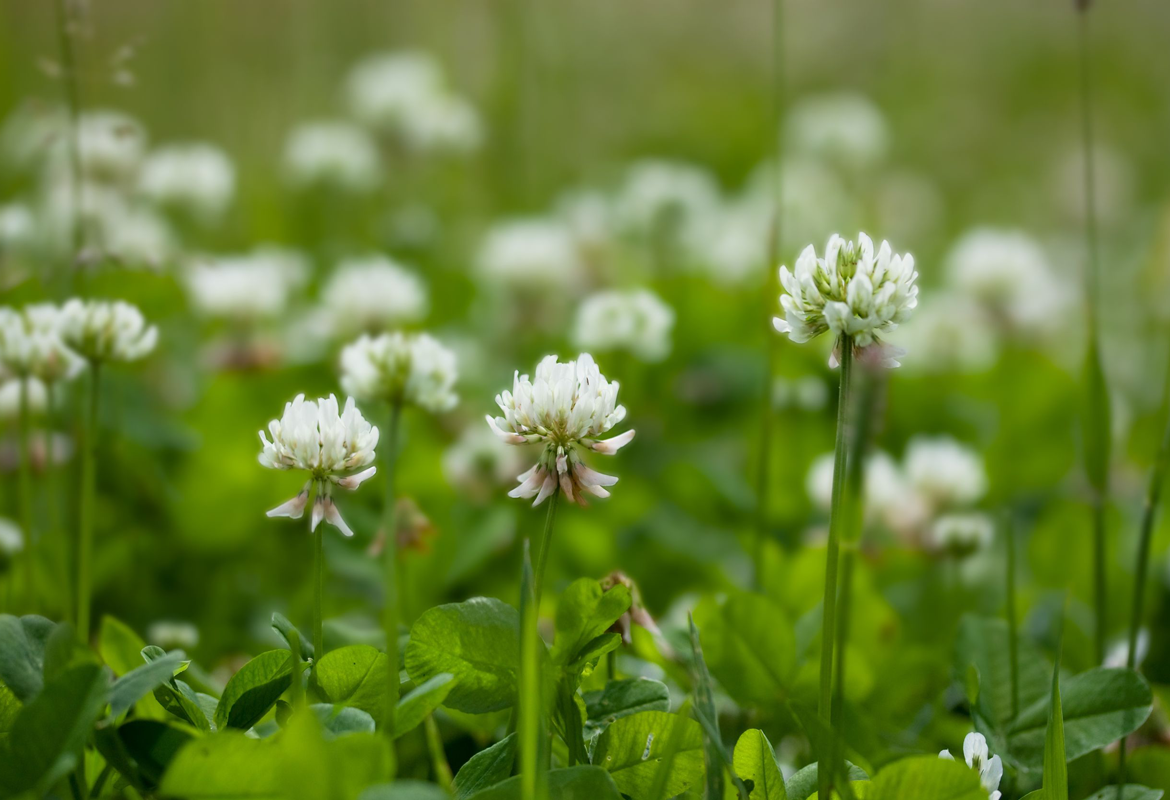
<point>749,647</point>
<point>340,720</point>
<point>9,708</point>
<point>421,701</point>
<point>486,768</point>
<point>622,698</point>
<point>353,676</point>
<point>478,642</point>
<point>285,629</point>
<point>629,749</point>
<point>755,763</point>
<point>49,733</point>
<point>1055,761</point>
<point>137,683</point>
<point>592,652</point>
<point>584,613</point>
<point>180,699</point>
<point>22,654</point>
<point>983,644</point>
<point>253,690</point>
<point>1100,706</point>
<point>119,646</point>
<point>63,651</point>
<point>1131,791</point>
<point>927,778</point>
<point>404,790</point>
<point>572,783</point>
<point>152,745</point>
<point>803,784</point>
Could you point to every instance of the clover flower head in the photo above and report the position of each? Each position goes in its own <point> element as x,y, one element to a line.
<point>18,228</point>
<point>530,254</point>
<point>102,330</point>
<point>400,368</point>
<point>665,197</point>
<point>171,633</point>
<point>843,128</point>
<point>197,178</point>
<point>11,541</point>
<point>566,407</point>
<point>373,292</point>
<point>944,471</point>
<point>12,398</point>
<point>112,144</point>
<point>247,287</point>
<point>962,534</point>
<point>637,321</point>
<point>334,155</point>
<point>979,758</point>
<point>852,291</point>
<point>329,444</point>
<point>31,344</point>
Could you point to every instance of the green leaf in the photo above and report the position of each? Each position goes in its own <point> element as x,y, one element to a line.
<point>1099,707</point>
<point>119,646</point>
<point>983,644</point>
<point>572,783</point>
<point>285,629</point>
<point>253,690</point>
<point>927,778</point>
<point>592,652</point>
<point>1131,791</point>
<point>137,683</point>
<point>755,763</point>
<point>486,768</point>
<point>803,784</point>
<point>9,708</point>
<point>568,718</point>
<point>22,654</point>
<point>585,612</point>
<point>353,676</point>
<point>421,701</point>
<point>404,790</point>
<point>340,720</point>
<point>478,642</point>
<point>49,732</point>
<point>1055,761</point>
<point>749,647</point>
<point>621,698</point>
<point>152,745</point>
<point>629,749</point>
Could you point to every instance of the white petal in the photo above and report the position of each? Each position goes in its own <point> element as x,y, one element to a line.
<point>352,482</point>
<point>975,750</point>
<point>318,512</point>
<point>610,446</point>
<point>946,755</point>
<point>333,517</point>
<point>294,508</point>
<point>546,489</point>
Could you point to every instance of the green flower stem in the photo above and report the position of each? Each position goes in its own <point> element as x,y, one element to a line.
<point>836,521</point>
<point>1012,618</point>
<point>88,501</point>
<point>318,586</point>
<point>439,763</point>
<point>545,544</point>
<point>529,727</point>
<point>26,501</point>
<point>390,564</point>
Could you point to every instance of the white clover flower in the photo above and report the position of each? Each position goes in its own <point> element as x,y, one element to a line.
<point>248,287</point>
<point>888,496</point>
<point>169,633</point>
<point>315,437</point>
<point>962,534</point>
<point>400,368</point>
<point>444,124</point>
<point>944,471</point>
<point>950,333</point>
<point>843,128</point>
<point>530,254</point>
<point>31,344</point>
<point>11,540</point>
<point>637,321</point>
<point>334,155</point>
<point>112,145</point>
<point>373,292</point>
<point>566,408</point>
<point>135,237</point>
<point>976,754</point>
<point>665,197</point>
<point>195,178</point>
<point>478,462</point>
<point>814,201</point>
<point>12,399</point>
<point>731,245</point>
<point>18,228</point>
<point>1118,655</point>
<point>102,330</point>
<point>851,292</point>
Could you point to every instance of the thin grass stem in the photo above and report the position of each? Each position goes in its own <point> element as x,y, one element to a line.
<point>73,108</point>
<point>438,755</point>
<point>545,545</point>
<point>390,567</point>
<point>88,501</point>
<point>318,586</point>
<point>26,500</point>
<point>1012,618</point>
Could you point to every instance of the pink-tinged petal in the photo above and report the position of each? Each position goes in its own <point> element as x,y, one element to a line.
<point>591,477</point>
<point>318,513</point>
<point>352,482</point>
<point>333,517</point>
<point>294,508</point>
<point>546,489</point>
<point>566,482</point>
<point>530,485</point>
<point>508,436</point>
<point>611,446</point>
<point>596,491</point>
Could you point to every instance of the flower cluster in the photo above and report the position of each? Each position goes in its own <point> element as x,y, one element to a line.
<point>103,330</point>
<point>247,287</point>
<point>31,345</point>
<point>372,293</point>
<point>636,321</point>
<point>196,178</point>
<point>979,758</point>
<point>851,292</point>
<point>400,368</point>
<point>529,254</point>
<point>329,444</point>
<point>332,155</point>
<point>566,408</point>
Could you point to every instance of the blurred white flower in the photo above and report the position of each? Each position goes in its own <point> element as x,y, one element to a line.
<point>944,471</point>
<point>888,496</point>
<point>247,287</point>
<point>11,540</point>
<point>567,407</point>
<point>530,254</point>
<point>963,533</point>
<point>135,237</point>
<point>588,214</point>
<point>11,399</point>
<point>31,344</point>
<point>333,155</point>
<point>636,320</point>
<point>404,94</point>
<point>950,333</point>
<point>103,330</point>
<point>329,444</point>
<point>813,200</point>
<point>112,145</point>
<point>731,244</point>
<point>807,393</point>
<point>478,462</point>
<point>851,291</point>
<point>665,198</point>
<point>169,634</point>
<point>979,758</point>
<point>1114,183</point>
<point>843,128</point>
<point>373,292</point>
<point>1118,655</point>
<point>195,178</point>
<point>18,228</point>
<point>400,368</point>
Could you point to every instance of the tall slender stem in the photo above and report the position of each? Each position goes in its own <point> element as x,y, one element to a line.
<point>545,544</point>
<point>73,107</point>
<point>832,552</point>
<point>390,565</point>
<point>1012,619</point>
<point>1097,427</point>
<point>439,764</point>
<point>530,701</point>
<point>55,479</point>
<point>88,500</point>
<point>771,346</point>
<point>318,584</point>
<point>26,499</point>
